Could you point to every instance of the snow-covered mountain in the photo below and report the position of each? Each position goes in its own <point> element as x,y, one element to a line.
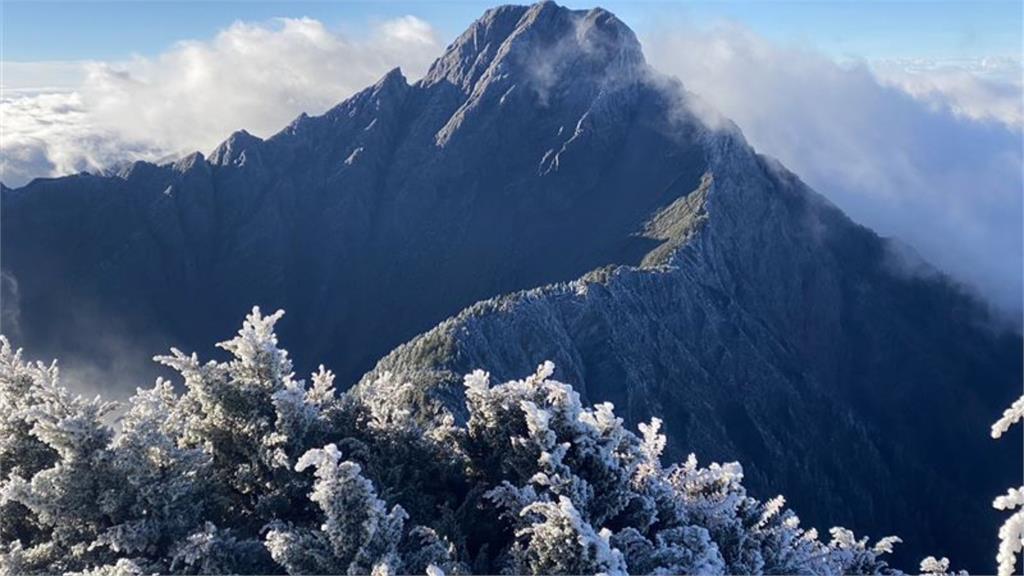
<point>717,290</point>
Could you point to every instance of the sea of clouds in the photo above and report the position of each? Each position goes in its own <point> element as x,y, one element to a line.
<point>929,152</point>
<point>256,76</point>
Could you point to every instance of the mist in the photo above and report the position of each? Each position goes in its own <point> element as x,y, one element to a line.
<point>929,156</point>
<point>927,152</point>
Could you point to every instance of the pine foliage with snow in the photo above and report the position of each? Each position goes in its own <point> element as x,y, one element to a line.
<point>251,470</point>
<point>1011,533</point>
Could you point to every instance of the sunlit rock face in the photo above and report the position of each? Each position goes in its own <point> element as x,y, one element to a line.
<point>669,269</point>
<point>534,150</point>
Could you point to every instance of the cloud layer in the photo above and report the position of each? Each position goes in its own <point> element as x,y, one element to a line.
<point>53,134</point>
<point>933,159</point>
<point>980,89</point>
<point>256,76</point>
<point>928,152</point>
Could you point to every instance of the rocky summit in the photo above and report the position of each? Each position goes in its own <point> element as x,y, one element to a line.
<point>542,175</point>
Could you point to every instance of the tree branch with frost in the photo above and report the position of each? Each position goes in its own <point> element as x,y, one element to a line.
<point>1011,533</point>
<point>1010,416</point>
<point>217,480</point>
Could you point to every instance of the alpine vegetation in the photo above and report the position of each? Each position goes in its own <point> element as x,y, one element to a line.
<point>1011,534</point>
<point>540,193</point>
<point>250,470</point>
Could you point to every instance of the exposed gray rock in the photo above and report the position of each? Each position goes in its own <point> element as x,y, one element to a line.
<point>717,290</point>
<point>769,328</point>
<point>531,152</point>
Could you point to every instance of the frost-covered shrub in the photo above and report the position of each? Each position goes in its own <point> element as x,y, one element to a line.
<point>58,500</point>
<point>251,470</point>
<point>1011,533</point>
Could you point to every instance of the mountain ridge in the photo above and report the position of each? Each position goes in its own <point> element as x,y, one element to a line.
<point>370,142</point>
<point>681,336</point>
<point>537,150</point>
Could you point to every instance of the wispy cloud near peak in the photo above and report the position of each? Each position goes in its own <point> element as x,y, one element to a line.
<point>923,150</point>
<point>933,159</point>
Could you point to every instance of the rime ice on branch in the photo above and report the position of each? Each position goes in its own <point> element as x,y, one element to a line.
<point>1011,533</point>
<point>251,470</point>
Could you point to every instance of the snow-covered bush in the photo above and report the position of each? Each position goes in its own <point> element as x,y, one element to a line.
<point>1011,534</point>
<point>250,470</point>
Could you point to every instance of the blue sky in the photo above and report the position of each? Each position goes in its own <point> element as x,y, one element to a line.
<point>52,30</point>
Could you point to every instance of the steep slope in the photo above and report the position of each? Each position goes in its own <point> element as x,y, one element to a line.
<point>756,318</point>
<point>531,152</point>
<point>770,329</point>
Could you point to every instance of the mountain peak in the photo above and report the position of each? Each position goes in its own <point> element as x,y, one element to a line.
<point>234,149</point>
<point>539,42</point>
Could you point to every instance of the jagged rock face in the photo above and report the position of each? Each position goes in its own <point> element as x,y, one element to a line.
<point>531,152</point>
<point>772,330</point>
<point>754,317</point>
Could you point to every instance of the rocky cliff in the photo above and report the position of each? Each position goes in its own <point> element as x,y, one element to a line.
<point>717,291</point>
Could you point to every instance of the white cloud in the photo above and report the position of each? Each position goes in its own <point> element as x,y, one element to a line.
<point>937,167</point>
<point>979,89</point>
<point>253,76</point>
<point>929,152</point>
<point>55,133</point>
